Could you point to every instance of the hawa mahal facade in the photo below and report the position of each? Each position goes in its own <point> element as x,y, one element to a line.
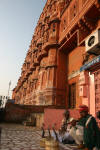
<point>62,65</point>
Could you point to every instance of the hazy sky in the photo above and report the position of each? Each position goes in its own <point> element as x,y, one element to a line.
<point>18,19</point>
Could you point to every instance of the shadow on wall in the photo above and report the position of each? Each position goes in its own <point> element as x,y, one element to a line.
<point>49,115</point>
<point>15,113</point>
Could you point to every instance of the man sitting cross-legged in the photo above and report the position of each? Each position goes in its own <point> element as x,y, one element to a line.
<point>86,133</point>
<point>63,133</point>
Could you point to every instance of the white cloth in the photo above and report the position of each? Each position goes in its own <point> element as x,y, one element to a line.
<point>77,132</point>
<point>77,136</point>
<point>67,136</point>
<point>61,137</point>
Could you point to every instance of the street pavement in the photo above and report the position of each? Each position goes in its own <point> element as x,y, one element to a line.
<point>19,137</point>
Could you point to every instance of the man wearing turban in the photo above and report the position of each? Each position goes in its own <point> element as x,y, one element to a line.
<point>91,132</point>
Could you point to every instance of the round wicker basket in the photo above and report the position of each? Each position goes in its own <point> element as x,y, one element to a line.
<point>51,145</point>
<point>42,142</point>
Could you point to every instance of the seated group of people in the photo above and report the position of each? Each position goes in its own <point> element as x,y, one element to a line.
<point>84,132</point>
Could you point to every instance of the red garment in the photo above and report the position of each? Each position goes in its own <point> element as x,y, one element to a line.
<point>83,108</point>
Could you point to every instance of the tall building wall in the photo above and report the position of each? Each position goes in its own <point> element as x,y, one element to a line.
<point>51,70</point>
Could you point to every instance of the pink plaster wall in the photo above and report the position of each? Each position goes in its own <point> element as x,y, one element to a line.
<point>55,116</point>
<point>92,95</point>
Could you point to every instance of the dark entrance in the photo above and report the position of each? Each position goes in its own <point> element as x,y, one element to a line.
<point>72,96</point>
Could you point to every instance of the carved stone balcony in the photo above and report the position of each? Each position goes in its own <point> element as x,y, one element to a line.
<point>39,42</point>
<point>35,77</point>
<point>34,50</point>
<point>25,77</point>
<point>82,15</point>
<point>51,64</point>
<point>36,62</point>
<point>49,45</point>
<point>25,86</point>
<point>41,54</point>
<point>32,67</point>
<point>28,72</point>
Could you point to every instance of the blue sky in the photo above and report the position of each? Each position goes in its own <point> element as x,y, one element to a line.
<point>18,19</point>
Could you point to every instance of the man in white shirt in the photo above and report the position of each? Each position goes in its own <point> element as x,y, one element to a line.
<point>63,134</point>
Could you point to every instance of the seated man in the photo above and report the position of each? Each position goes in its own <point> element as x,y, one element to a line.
<point>76,132</point>
<point>67,138</point>
<point>63,134</point>
<point>88,134</point>
<point>66,120</point>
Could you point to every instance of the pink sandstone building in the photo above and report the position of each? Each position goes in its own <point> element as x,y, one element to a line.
<point>62,65</point>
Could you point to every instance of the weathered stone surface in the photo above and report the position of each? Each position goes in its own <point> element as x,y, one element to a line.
<point>18,137</point>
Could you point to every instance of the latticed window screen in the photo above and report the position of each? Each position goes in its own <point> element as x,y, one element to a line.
<point>72,96</point>
<point>74,10</point>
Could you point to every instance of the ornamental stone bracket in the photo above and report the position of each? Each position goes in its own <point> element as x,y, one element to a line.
<point>41,54</point>
<point>90,23</point>
<point>49,45</point>
<point>86,24</point>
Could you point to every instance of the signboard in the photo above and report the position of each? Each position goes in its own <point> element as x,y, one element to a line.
<point>90,64</point>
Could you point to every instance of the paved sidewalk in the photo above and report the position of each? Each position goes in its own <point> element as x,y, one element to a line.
<point>18,137</point>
